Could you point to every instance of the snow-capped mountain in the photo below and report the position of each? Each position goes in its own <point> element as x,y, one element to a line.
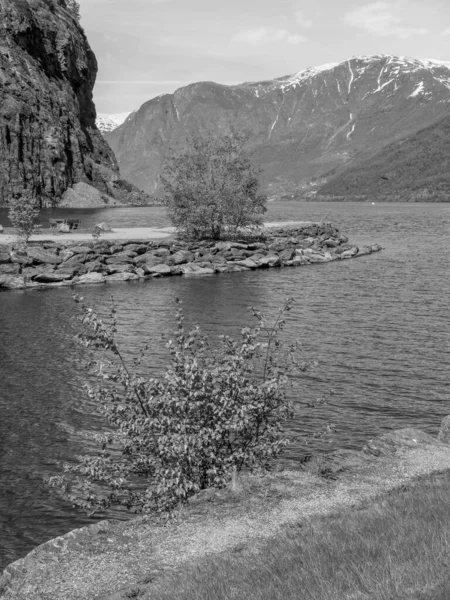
<point>106,122</point>
<point>304,128</point>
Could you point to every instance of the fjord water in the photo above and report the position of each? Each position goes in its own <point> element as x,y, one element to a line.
<point>378,325</point>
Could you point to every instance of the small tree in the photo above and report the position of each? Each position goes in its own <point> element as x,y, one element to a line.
<point>215,411</point>
<point>24,215</point>
<point>212,188</point>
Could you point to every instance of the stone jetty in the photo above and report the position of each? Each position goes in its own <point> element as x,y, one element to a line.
<point>49,264</point>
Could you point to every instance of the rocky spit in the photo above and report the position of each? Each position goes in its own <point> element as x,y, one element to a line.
<point>53,264</point>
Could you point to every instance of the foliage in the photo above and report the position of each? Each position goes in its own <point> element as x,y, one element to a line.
<point>24,215</point>
<point>216,411</point>
<point>212,188</point>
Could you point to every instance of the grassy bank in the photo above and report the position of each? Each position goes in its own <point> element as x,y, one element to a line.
<point>395,548</point>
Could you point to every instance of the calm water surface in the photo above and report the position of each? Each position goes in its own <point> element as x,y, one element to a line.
<point>378,325</point>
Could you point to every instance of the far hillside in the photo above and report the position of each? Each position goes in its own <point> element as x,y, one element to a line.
<point>416,168</point>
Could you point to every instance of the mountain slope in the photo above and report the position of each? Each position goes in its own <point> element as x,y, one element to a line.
<point>414,168</point>
<point>301,127</point>
<point>106,122</point>
<point>48,137</point>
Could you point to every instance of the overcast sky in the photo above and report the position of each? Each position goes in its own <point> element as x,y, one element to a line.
<point>150,47</point>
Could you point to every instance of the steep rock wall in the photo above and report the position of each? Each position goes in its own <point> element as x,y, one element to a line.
<point>48,136</point>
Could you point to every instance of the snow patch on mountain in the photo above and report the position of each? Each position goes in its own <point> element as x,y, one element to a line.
<point>107,122</point>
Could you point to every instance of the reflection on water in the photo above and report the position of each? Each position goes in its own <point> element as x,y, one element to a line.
<point>378,326</point>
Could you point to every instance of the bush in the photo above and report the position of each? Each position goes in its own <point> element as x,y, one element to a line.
<point>215,412</point>
<point>24,215</point>
<point>212,188</point>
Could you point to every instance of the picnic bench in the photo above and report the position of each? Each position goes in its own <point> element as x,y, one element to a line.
<point>72,223</point>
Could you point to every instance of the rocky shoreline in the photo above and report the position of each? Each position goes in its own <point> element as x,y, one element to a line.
<point>49,264</point>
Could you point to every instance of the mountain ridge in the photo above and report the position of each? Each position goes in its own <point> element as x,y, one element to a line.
<point>302,127</point>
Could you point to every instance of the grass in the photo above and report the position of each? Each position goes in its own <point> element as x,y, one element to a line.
<point>396,548</point>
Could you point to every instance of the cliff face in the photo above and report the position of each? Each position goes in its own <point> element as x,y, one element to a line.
<point>48,136</point>
<point>303,129</point>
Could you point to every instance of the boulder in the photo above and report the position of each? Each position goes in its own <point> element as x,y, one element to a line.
<point>148,260</point>
<point>66,254</point>
<point>160,269</point>
<point>349,253</point>
<point>119,268</point>
<point>41,256</point>
<point>286,254</point>
<point>121,257</point>
<point>51,277</point>
<point>5,257</point>
<point>11,282</point>
<point>136,248</point>
<point>272,260</point>
<point>248,262</point>
<point>390,443</point>
<point>95,265</point>
<point>115,248</point>
<point>64,228</point>
<point>376,248</point>
<point>141,273</point>
<point>77,259</point>
<point>71,271</point>
<point>365,250</point>
<point>121,277</point>
<point>92,278</point>
<point>444,432</point>
<point>9,269</point>
<point>1,228</point>
<point>195,269</point>
<point>79,249</point>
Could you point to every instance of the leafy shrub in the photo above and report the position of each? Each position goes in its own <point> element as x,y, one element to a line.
<point>212,188</point>
<point>24,215</point>
<point>216,411</point>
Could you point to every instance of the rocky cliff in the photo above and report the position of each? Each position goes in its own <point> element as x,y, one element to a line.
<point>303,128</point>
<point>48,136</point>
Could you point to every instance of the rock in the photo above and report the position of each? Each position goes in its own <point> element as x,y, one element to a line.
<point>20,257</point>
<point>51,277</point>
<point>287,254</point>
<point>141,273</point>
<point>72,271</point>
<point>79,249</point>
<point>64,228</point>
<point>444,432</point>
<point>114,249</point>
<point>161,252</point>
<point>350,253</point>
<point>195,269</point>
<point>5,257</point>
<point>41,256</point>
<point>364,250</point>
<point>95,265</point>
<point>148,259</point>
<point>136,248</point>
<point>31,272</point>
<point>272,260</point>
<point>181,257</point>
<point>92,278</point>
<point>160,269</point>
<point>376,248</point>
<point>65,254</point>
<point>389,443</point>
<point>118,268</point>
<point>121,277</point>
<point>248,262</point>
<point>1,228</point>
<point>121,257</point>
<point>10,282</point>
<point>77,259</point>
<point>9,269</point>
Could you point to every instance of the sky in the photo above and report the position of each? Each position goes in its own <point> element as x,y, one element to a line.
<point>150,47</point>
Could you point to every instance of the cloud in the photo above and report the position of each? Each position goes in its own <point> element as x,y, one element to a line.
<point>446,31</point>
<point>261,35</point>
<point>383,18</point>
<point>302,21</point>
